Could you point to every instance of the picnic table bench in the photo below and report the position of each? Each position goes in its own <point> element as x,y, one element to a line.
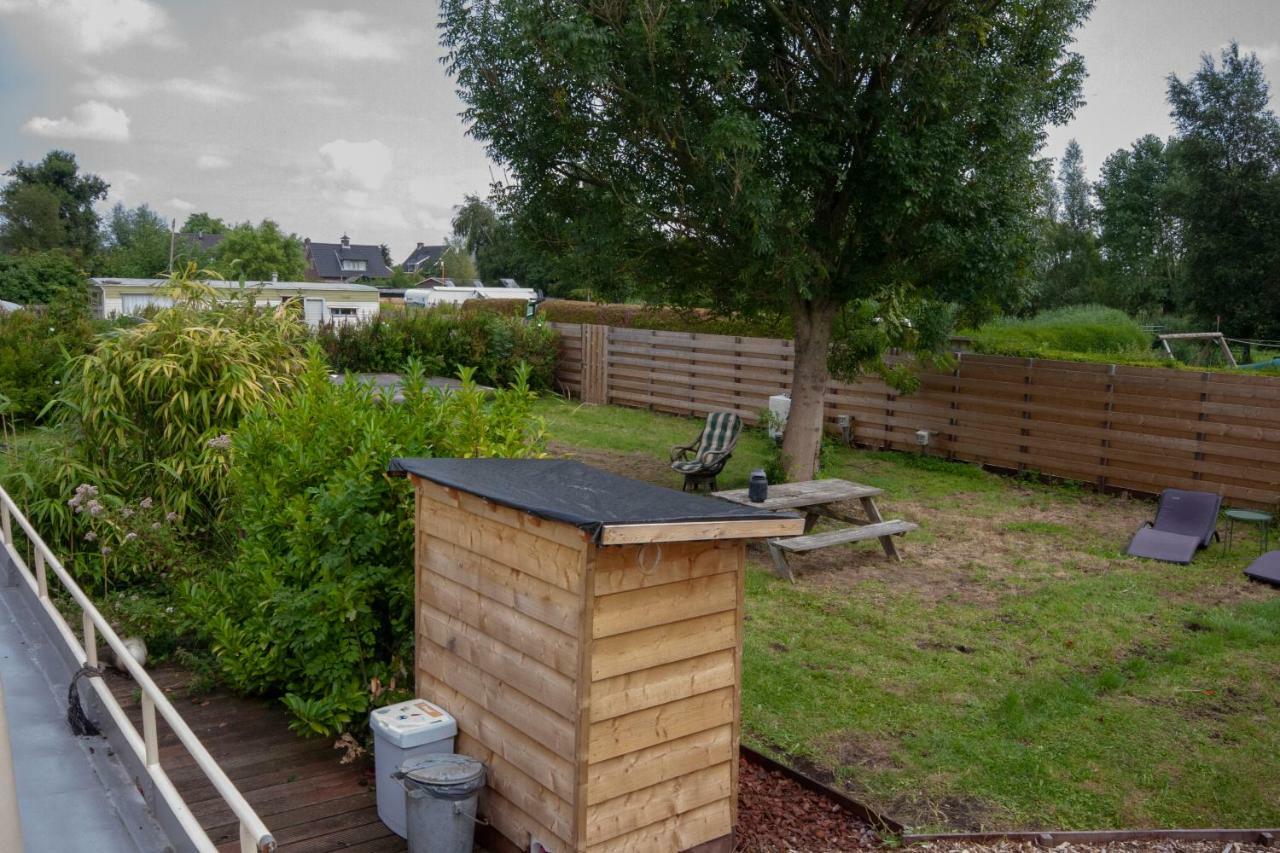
<point>821,498</point>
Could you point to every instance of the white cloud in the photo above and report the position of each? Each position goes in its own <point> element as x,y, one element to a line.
<point>111,86</point>
<point>212,162</point>
<point>221,88</point>
<point>90,120</point>
<point>180,205</point>
<point>204,91</point>
<point>313,91</point>
<point>330,35</point>
<point>363,165</point>
<point>100,26</point>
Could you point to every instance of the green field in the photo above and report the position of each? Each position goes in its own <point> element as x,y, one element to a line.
<point>1014,671</point>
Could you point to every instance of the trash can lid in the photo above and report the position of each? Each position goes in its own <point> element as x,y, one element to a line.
<point>446,776</point>
<point>412,723</point>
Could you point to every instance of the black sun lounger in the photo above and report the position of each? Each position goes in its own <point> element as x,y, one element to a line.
<point>1265,569</point>
<point>1185,522</point>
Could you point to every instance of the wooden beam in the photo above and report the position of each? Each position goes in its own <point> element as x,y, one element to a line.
<point>690,531</point>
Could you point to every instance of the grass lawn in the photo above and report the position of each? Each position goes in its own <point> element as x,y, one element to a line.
<point>1014,671</point>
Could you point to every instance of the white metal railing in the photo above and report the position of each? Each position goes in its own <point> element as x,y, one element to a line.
<point>254,835</point>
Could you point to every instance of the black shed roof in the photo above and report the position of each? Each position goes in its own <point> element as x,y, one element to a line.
<point>573,493</point>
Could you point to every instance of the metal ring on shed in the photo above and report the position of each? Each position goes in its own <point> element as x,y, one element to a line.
<point>657,557</point>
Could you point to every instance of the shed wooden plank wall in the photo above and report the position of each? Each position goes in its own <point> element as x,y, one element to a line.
<point>499,607</point>
<point>664,662</point>
<point>1138,428</point>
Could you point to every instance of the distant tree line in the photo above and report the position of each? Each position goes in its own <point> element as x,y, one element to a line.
<point>52,237</point>
<point>1186,227</point>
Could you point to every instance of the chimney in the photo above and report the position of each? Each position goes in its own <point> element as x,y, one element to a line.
<point>275,276</point>
<point>346,242</point>
<point>419,245</point>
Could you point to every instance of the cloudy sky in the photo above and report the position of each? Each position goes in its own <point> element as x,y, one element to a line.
<point>338,117</point>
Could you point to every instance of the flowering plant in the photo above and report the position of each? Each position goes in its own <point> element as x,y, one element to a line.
<point>124,541</point>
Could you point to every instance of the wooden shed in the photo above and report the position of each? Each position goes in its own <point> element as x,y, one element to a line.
<point>586,632</point>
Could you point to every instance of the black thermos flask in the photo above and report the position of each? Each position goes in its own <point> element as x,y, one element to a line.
<point>758,490</point>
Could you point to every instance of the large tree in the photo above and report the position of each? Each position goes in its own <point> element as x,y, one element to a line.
<point>255,253</point>
<point>1073,273</point>
<point>203,223</point>
<point>1140,237</point>
<point>136,243</point>
<point>35,189</point>
<point>1227,193</point>
<point>785,155</point>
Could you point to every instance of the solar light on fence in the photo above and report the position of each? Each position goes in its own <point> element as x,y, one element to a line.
<point>922,437</point>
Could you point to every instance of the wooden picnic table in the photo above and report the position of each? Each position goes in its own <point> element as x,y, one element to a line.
<point>823,498</point>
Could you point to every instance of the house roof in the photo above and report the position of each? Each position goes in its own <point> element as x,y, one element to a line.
<point>207,242</point>
<point>290,286</point>
<point>423,255</point>
<point>325,260</point>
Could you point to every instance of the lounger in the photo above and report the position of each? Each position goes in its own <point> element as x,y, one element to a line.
<point>1265,569</point>
<point>1185,522</point>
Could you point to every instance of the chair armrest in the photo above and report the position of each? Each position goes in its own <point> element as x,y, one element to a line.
<point>680,452</point>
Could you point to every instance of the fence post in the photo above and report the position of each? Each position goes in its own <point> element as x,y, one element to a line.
<point>42,577</point>
<point>6,527</point>
<point>595,363</point>
<point>1108,407</point>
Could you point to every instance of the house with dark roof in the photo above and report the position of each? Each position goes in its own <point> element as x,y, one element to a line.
<point>423,259</point>
<point>343,261</point>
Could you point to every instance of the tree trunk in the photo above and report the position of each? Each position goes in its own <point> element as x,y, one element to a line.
<point>802,440</point>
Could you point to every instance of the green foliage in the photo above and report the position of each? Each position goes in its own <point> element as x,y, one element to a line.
<point>49,205</point>
<point>1088,329</point>
<point>35,346</point>
<point>154,401</point>
<point>1227,193</point>
<point>135,244</point>
<point>670,319</point>
<point>203,223</point>
<point>445,339</point>
<point>254,253</point>
<point>1138,231</point>
<point>36,278</point>
<point>317,605</point>
<point>1072,270</point>
<point>457,262</point>
<point>710,155</point>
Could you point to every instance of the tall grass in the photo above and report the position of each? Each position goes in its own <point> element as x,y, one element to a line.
<point>1079,329</point>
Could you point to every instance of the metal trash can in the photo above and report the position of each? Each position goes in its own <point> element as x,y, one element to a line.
<point>402,732</point>
<point>441,792</point>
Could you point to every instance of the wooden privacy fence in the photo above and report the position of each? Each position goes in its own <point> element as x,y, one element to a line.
<point>1137,428</point>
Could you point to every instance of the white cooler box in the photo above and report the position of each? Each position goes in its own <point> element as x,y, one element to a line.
<point>401,732</point>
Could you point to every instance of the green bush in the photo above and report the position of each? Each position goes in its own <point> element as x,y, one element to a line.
<point>37,278</point>
<point>153,400</point>
<point>35,346</point>
<point>443,340</point>
<point>317,605</point>
<point>1082,329</point>
<point>699,320</point>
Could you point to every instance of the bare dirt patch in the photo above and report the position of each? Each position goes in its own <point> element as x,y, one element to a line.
<point>860,749</point>
<point>979,557</point>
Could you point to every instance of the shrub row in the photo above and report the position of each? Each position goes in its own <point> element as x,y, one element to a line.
<point>444,340</point>
<point>700,320</point>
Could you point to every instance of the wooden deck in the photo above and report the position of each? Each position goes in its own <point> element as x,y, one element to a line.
<point>308,799</point>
